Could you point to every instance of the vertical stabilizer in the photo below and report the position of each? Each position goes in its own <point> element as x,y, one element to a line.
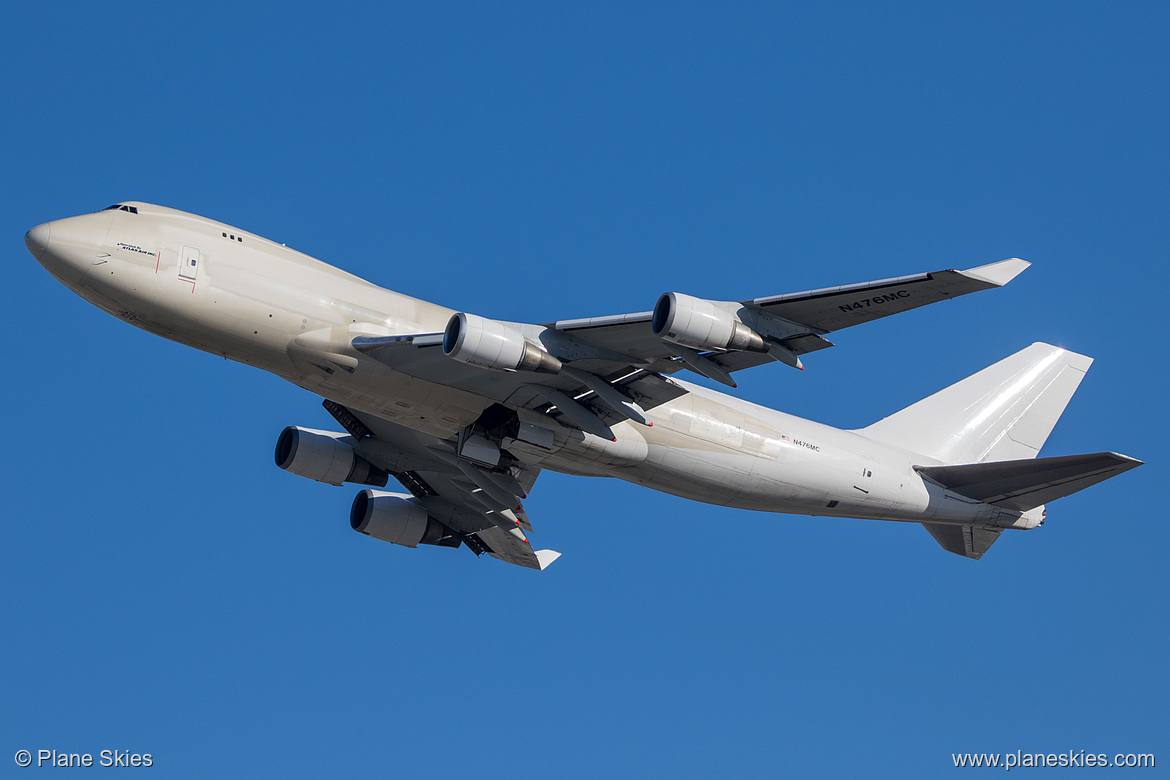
<point>1005,412</point>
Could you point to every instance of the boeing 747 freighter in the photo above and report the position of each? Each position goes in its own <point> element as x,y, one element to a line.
<point>463,412</point>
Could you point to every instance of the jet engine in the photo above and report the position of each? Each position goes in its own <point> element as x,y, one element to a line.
<point>703,325</point>
<point>326,457</point>
<point>398,518</point>
<point>486,343</point>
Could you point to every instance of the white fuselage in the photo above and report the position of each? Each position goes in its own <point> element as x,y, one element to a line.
<point>231,293</point>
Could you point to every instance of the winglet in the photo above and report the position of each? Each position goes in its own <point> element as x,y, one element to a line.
<point>545,557</point>
<point>999,273</point>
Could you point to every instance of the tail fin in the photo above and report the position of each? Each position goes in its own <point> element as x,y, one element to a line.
<point>1004,412</point>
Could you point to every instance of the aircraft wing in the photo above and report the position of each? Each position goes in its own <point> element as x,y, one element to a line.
<point>809,315</point>
<point>483,507</point>
<point>612,369</point>
<point>590,393</point>
<point>834,308</point>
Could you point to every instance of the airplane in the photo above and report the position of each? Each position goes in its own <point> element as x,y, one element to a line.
<point>464,412</point>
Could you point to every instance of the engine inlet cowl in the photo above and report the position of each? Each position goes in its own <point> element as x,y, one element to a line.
<point>326,457</point>
<point>703,325</point>
<point>398,518</point>
<point>486,343</point>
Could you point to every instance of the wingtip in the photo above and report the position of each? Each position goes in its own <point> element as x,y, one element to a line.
<point>546,557</point>
<point>1000,273</point>
<point>1127,461</point>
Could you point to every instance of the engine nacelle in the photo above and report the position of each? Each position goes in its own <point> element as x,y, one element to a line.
<point>703,325</point>
<point>325,457</point>
<point>398,518</point>
<point>486,343</point>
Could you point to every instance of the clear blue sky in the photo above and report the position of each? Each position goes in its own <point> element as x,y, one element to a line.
<point>164,588</point>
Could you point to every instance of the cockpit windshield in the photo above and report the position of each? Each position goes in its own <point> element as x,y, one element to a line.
<point>121,207</point>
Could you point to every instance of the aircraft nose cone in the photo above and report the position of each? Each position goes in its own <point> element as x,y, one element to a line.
<point>37,240</point>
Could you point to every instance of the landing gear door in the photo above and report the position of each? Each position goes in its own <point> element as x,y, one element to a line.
<point>189,263</point>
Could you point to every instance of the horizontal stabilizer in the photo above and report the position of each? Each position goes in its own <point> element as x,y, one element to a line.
<point>965,540</point>
<point>1025,484</point>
